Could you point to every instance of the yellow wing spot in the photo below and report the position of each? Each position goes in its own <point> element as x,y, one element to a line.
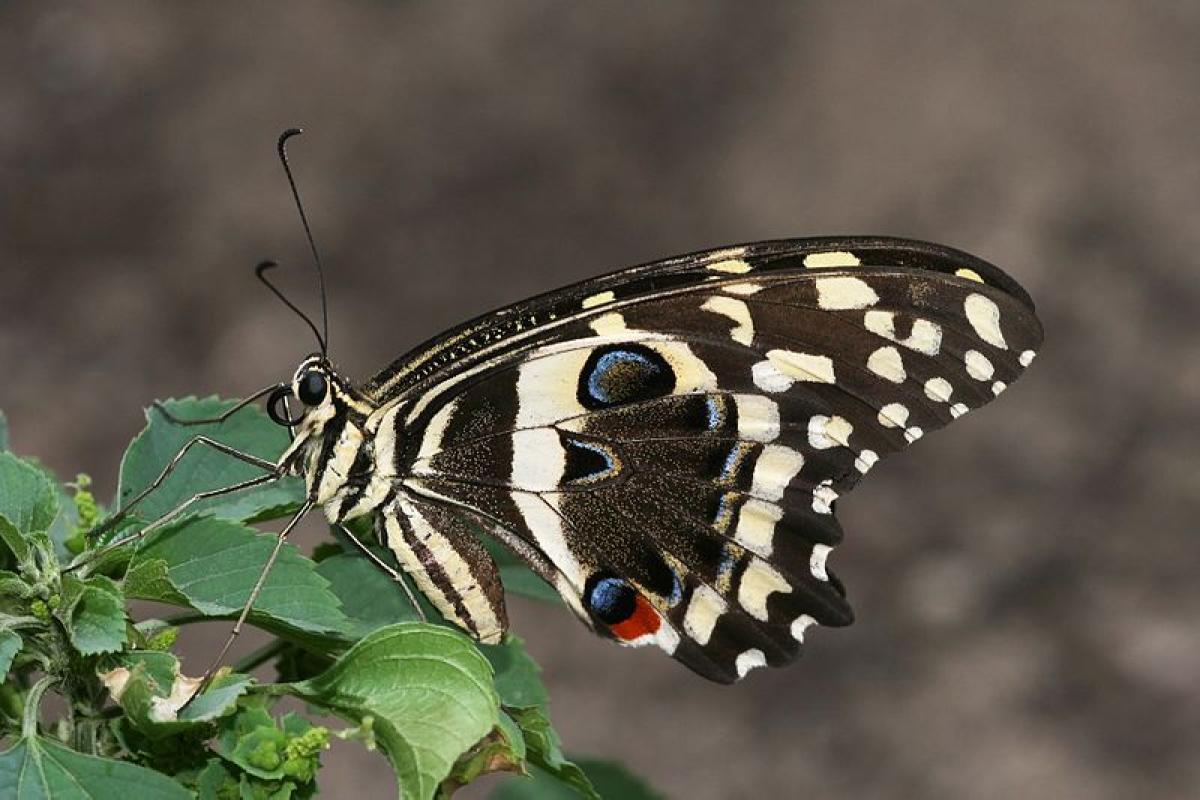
<point>611,324</point>
<point>835,258</point>
<point>969,274</point>
<point>598,299</point>
<point>735,310</point>
<point>759,581</point>
<point>735,266</point>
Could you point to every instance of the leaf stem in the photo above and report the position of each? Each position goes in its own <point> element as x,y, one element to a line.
<point>33,702</point>
<point>195,616</point>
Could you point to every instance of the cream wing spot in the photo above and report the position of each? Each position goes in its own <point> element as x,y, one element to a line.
<point>759,581</point>
<point>757,417</point>
<point>843,293</point>
<point>801,624</point>
<point>816,561</point>
<point>792,366</point>
<point>881,323</point>
<point>703,611</point>
<point>833,258</point>
<point>611,324</point>
<point>984,316</point>
<point>742,288</point>
<point>751,659</point>
<point>978,365</point>
<point>958,409</point>
<point>1026,358</point>
<point>865,460</point>
<point>823,497</point>
<point>912,434</point>
<point>431,439</point>
<point>768,378</point>
<point>826,432</point>
<point>926,337</point>
<point>969,274</point>
<point>887,364</point>
<point>736,310</point>
<point>547,389</point>
<point>998,387</point>
<point>756,526</point>
<point>938,390</point>
<point>774,470</point>
<point>598,299</point>
<point>539,459</point>
<point>893,415</point>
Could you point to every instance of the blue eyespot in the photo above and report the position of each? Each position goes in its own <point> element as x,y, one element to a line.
<point>611,599</point>
<point>620,374</point>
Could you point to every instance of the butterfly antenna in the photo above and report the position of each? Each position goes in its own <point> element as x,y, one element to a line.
<point>259,272</point>
<point>322,337</point>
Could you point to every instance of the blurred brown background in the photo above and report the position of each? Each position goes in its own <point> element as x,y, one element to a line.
<point>1027,583</point>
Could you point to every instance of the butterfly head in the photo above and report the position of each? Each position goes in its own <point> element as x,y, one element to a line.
<point>326,400</point>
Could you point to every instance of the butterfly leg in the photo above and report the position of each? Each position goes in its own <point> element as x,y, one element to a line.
<point>254,592</point>
<point>174,420</point>
<point>110,523</point>
<point>395,574</point>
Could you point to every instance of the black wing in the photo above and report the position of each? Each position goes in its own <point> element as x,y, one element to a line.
<point>666,444</point>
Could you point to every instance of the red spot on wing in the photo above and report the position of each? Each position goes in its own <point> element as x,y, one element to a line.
<point>644,620</point>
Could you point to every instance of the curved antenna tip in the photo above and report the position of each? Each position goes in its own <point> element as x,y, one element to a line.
<point>263,266</point>
<point>289,133</point>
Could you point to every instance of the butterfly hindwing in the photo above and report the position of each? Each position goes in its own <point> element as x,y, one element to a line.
<point>666,445</point>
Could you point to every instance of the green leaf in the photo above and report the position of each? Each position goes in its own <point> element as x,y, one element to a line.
<point>213,564</point>
<point>219,699</point>
<point>203,468</point>
<point>149,688</point>
<point>15,543</point>
<point>10,645</point>
<point>524,697</point>
<point>11,584</point>
<point>27,497</point>
<point>545,750</point>
<point>518,677</point>
<point>428,691</point>
<point>610,780</point>
<point>37,768</point>
<point>369,598</point>
<point>215,782</point>
<point>93,612</point>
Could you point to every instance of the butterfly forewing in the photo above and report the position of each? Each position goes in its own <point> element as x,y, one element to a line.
<point>666,444</point>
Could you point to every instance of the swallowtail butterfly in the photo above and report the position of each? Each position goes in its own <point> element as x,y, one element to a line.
<point>664,445</point>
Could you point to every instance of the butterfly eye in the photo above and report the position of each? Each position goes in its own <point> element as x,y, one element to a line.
<point>312,388</point>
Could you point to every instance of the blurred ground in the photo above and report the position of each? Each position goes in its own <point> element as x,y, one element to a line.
<point>1026,584</point>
